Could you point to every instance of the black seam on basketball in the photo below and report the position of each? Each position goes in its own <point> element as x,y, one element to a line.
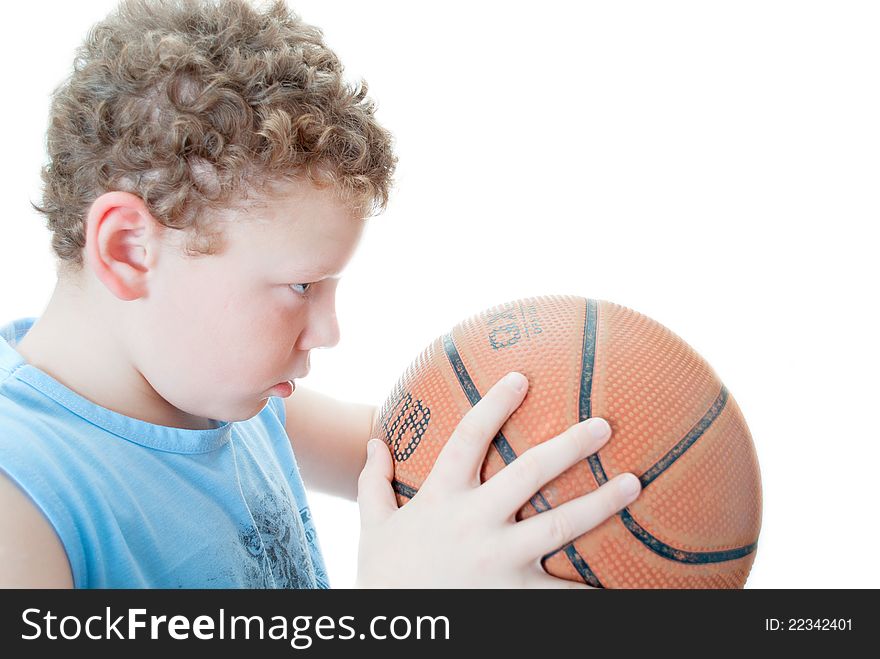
<point>676,451</point>
<point>403,489</point>
<point>693,435</point>
<point>681,555</point>
<point>585,410</point>
<point>538,501</point>
<point>470,390</point>
<point>585,405</point>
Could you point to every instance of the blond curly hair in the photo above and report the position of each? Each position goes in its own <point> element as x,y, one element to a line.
<point>194,104</point>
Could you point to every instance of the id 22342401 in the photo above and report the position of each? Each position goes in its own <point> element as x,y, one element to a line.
<point>807,624</point>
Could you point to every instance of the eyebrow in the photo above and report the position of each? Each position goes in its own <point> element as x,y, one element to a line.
<point>313,275</point>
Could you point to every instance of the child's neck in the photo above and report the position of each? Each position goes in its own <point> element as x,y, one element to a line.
<point>75,346</point>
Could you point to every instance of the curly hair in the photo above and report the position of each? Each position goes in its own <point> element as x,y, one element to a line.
<point>192,105</point>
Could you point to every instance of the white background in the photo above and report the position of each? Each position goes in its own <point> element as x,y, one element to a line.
<point>712,165</point>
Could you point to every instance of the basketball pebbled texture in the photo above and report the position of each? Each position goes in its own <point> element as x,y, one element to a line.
<point>695,523</point>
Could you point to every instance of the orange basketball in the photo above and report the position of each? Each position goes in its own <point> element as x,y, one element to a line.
<point>675,425</point>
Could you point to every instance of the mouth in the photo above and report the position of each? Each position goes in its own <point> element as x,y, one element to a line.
<point>283,389</point>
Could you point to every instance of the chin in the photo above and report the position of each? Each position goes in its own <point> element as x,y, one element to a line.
<point>239,414</point>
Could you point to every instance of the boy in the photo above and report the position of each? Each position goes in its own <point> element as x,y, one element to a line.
<point>209,175</point>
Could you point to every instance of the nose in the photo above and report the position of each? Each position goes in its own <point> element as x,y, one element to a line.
<point>330,334</point>
<point>322,326</point>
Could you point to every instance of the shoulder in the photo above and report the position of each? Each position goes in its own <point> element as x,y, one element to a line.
<point>33,556</point>
<point>38,523</point>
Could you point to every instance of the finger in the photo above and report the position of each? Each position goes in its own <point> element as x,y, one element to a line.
<point>459,462</point>
<point>511,487</point>
<point>376,498</point>
<point>548,531</point>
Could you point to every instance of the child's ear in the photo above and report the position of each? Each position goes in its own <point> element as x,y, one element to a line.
<point>121,241</point>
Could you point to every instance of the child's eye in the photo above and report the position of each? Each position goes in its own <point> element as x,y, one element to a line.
<point>306,288</point>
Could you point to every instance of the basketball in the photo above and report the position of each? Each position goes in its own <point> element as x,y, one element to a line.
<point>674,425</point>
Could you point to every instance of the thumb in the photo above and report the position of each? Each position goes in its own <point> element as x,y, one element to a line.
<point>376,498</point>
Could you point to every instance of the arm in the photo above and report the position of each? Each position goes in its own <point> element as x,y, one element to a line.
<point>329,438</point>
<point>31,555</point>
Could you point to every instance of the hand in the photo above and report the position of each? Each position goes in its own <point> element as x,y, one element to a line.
<point>459,533</point>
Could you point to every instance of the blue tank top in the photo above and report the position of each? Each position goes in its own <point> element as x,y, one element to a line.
<point>138,505</point>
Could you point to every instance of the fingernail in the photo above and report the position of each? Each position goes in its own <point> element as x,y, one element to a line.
<point>371,447</point>
<point>628,484</point>
<point>598,428</point>
<point>516,380</point>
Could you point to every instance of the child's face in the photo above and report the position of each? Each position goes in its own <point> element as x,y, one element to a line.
<point>214,334</point>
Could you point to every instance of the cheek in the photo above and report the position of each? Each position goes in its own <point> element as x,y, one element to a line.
<point>230,338</point>
<point>278,331</point>
<point>197,323</point>
<point>258,336</point>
